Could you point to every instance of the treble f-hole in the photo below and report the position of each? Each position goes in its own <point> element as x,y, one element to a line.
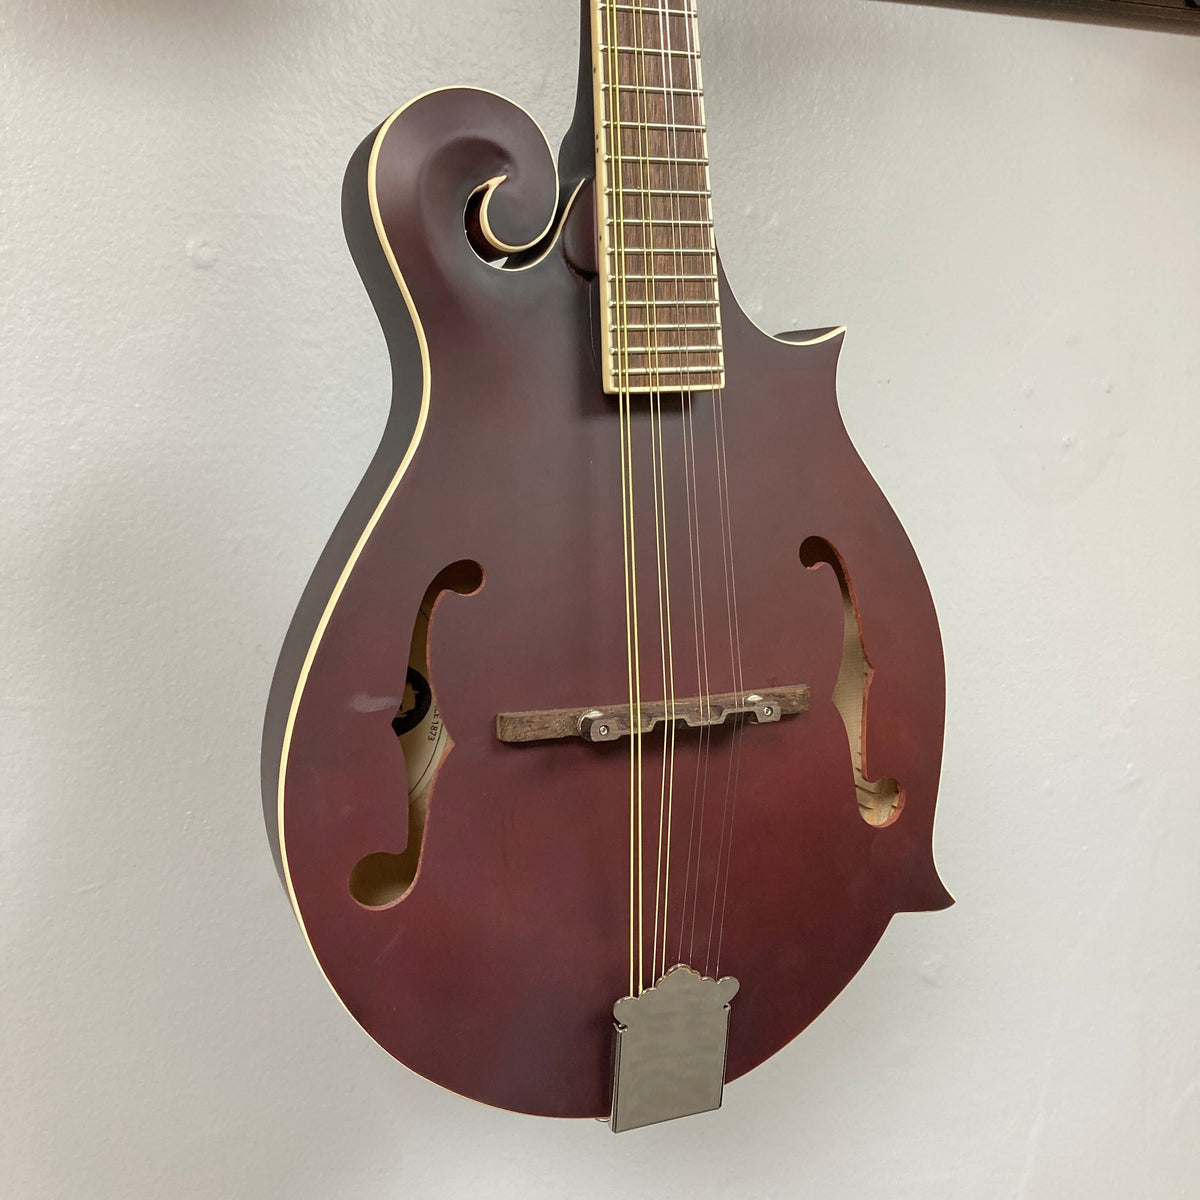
<point>879,802</point>
<point>382,878</point>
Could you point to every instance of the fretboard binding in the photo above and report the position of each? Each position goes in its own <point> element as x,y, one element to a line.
<point>625,126</point>
<point>652,89</point>
<point>659,303</point>
<point>638,8</point>
<point>664,278</point>
<point>692,54</point>
<point>659,251</point>
<point>664,222</point>
<point>700,325</point>
<point>632,160</point>
<point>698,369</point>
<point>635,191</point>
<point>624,350</point>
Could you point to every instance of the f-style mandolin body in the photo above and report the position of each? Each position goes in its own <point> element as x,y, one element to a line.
<point>484,941</point>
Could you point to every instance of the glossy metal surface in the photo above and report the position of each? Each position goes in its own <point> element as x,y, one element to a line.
<point>669,1059</point>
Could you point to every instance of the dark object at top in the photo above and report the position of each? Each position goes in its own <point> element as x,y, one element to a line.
<point>1172,16</point>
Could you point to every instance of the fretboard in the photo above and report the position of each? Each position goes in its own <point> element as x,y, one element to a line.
<point>660,320</point>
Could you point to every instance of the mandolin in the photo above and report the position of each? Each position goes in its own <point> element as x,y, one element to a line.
<point>605,741</point>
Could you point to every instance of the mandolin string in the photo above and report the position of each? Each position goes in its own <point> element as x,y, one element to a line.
<point>664,47</point>
<point>704,747</point>
<point>670,143</point>
<point>741,684</point>
<point>666,818</point>
<point>632,83</point>
<point>678,242</point>
<point>725,521</point>
<point>619,319</point>
<point>733,776</point>
<point>696,565</point>
<point>641,83</point>
<point>704,743</point>
<point>700,782</point>
<point>670,730</point>
<point>722,500</point>
<point>631,392</point>
<point>729,625</point>
<point>733,770</point>
<point>669,733</point>
<point>638,739</point>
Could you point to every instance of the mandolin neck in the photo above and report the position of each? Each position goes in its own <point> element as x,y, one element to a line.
<point>660,316</point>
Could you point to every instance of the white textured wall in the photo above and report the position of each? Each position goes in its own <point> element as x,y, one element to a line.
<point>1007,216</point>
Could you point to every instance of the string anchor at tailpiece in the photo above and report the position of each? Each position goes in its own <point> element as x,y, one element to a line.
<point>669,1059</point>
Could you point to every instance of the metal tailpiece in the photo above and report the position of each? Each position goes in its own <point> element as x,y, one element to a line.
<point>669,1059</point>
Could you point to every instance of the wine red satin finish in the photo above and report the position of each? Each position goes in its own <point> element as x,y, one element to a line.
<point>496,974</point>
